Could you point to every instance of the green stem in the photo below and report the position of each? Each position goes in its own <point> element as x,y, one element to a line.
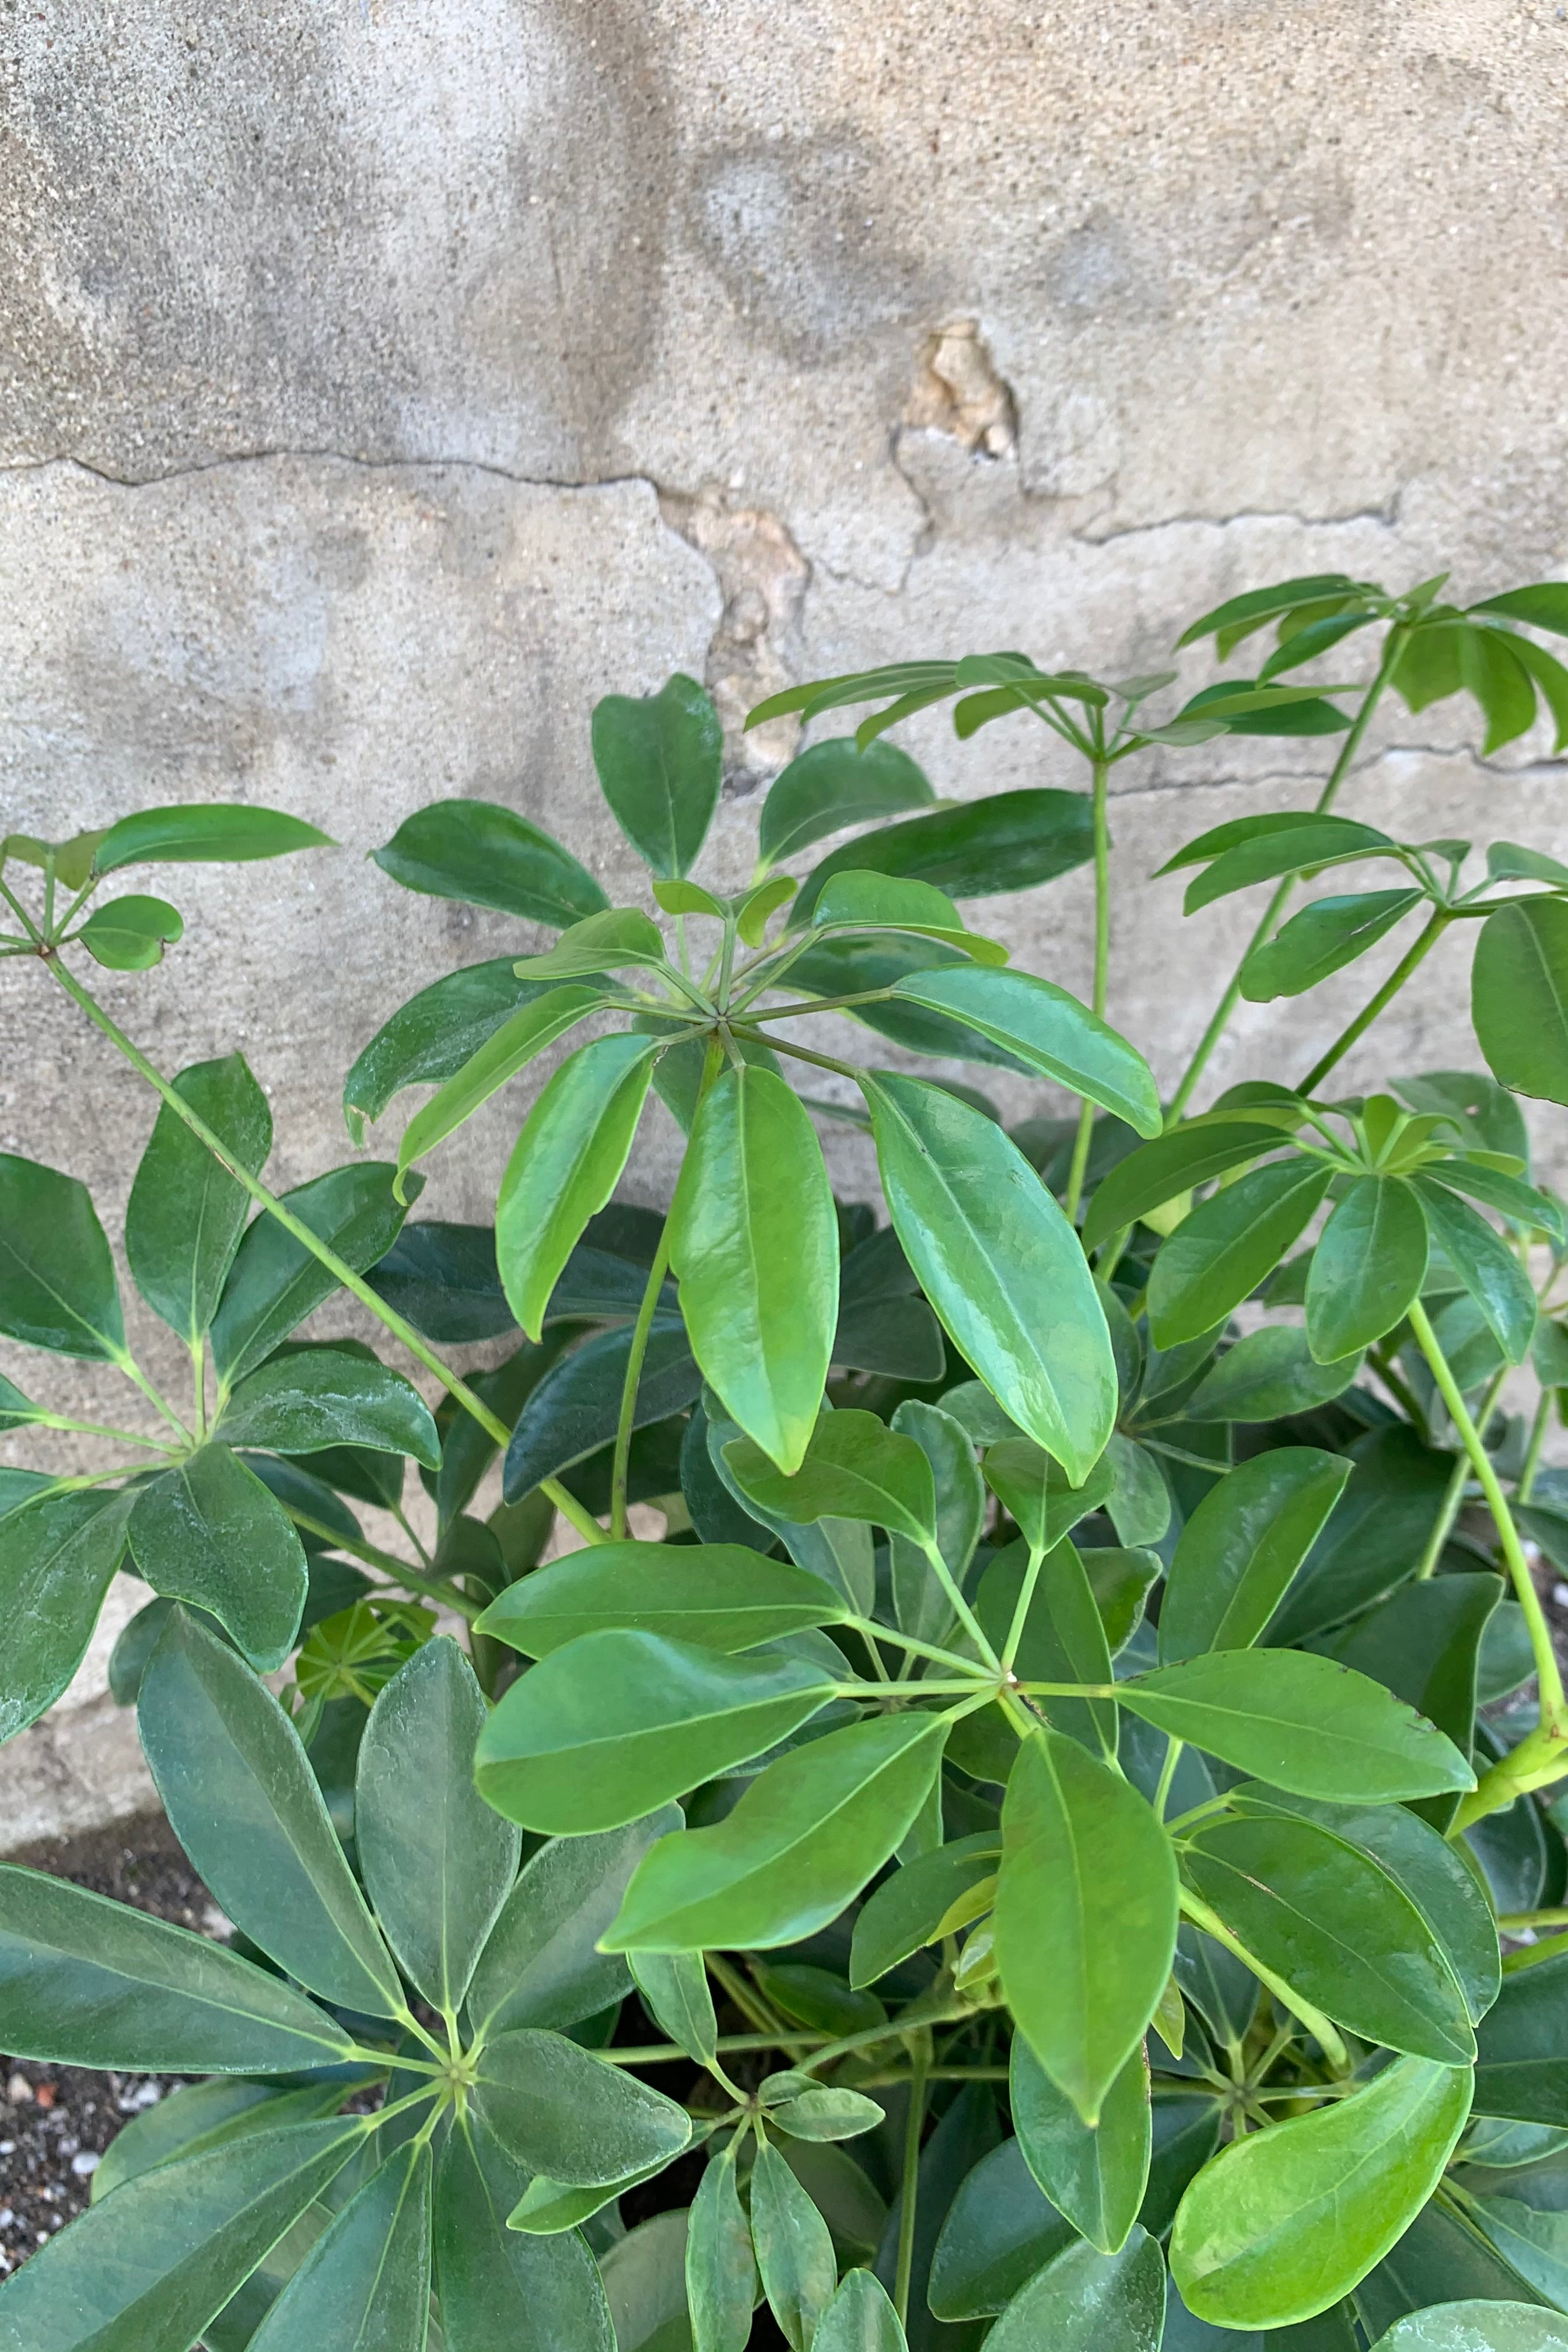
<point>961,1608</point>
<point>1458,1479</point>
<point>124,1361</point>
<point>99,1429</point>
<point>474,1405</point>
<point>666,2053</point>
<point>1085,1134</point>
<point>1393,646</point>
<point>31,929</point>
<point>1375,1004</point>
<point>1533,1452</point>
<point>620,1474</point>
<point>873,1631</point>
<point>1518,1923</point>
<point>824,1005</point>
<point>795,1052</point>
<point>1167,1774</point>
<point>746,1998</point>
<point>909,2198</point>
<point>1316,2023</point>
<point>445,1595</point>
<point>1020,1608</point>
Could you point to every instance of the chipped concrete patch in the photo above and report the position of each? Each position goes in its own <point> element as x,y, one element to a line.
<point>755,650</point>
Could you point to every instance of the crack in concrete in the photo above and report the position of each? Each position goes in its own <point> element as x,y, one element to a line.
<point>1386,516</point>
<point>332,456</point>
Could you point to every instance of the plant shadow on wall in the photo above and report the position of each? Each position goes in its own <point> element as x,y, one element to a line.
<point>1033,1804</point>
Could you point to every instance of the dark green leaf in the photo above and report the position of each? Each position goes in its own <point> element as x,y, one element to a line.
<point>1220,1253</point>
<point>720,1596</point>
<point>1424,1642</point>
<point>541,1964</point>
<point>660,761</point>
<point>561,2111</point>
<point>673,1989</point>
<point>1087,2302</point>
<point>208,2115</point>
<point>1374,1538</point>
<point>428,1039</point>
<point>130,934</point>
<point>314,1398</point>
<point>1171,1166</point>
<point>1009,841</point>
<point>1000,2230</point>
<point>1323,938</point>
<point>1542,605</point>
<point>275,1281</point>
<point>499,2287</point>
<point>834,786</point>
<point>57,1277</point>
<point>210,1533</point>
<point>1064,1637</point>
<point>908,1909</point>
<point>795,2252</point>
<point>185,1213</point>
<point>1239,615</point>
<point>566,1163</point>
<point>203,833</point>
<point>644,2284</point>
<point>1485,1265</point>
<point>1243,1545</point>
<point>58,1560</point>
<point>574,1406</point>
<point>720,2270</point>
<point>1522,2068</point>
<point>366,2280</point>
<point>1494,674</point>
<point>443,1279</point>
<point>1268,1375</point>
<point>608,941</point>
<point>897,1336</point>
<point>490,857</point>
<point>1095,2177</point>
<point>860,2318</point>
<point>1518,996</point>
<point>1048,1031</point>
<point>519,1038</point>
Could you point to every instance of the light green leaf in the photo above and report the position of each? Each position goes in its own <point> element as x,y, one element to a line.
<point>58,1560</point>
<point>1323,938</point>
<point>1000,1264</point>
<point>1174,1164</point>
<point>720,2269</point>
<point>1298,841</point>
<point>366,2280</point>
<point>1518,996</point>
<point>1370,1263</point>
<point>821,2111</point>
<point>860,2318</point>
<point>644,2284</point>
<point>314,1398</point>
<point>720,1596</point>
<point>58,1288</point>
<point>908,1909</point>
<point>500,2288</point>
<point>879,902</point>
<point>565,1165</point>
<point>508,1049</point>
<point>833,786</point>
<point>600,943</point>
<point>794,2252</point>
<point>1049,1032</point>
<point>130,934</point>
<point>210,1533</point>
<point>1218,1255</point>
<point>673,1987</point>
<point>490,857</point>
<point>1478,2327</point>
<point>1037,1493</point>
<point>275,1281</point>
<point>1242,1546</point>
<point>1095,2176</point>
<point>561,2111</point>
<point>660,761</point>
<point>1485,1265</point>
<point>1089,2302</point>
<point>1138,1503</point>
<point>855,1467</point>
<point>185,1213</point>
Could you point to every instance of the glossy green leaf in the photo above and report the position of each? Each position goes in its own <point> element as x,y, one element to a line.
<point>1269,1375</point>
<point>1522,2068</point>
<point>1089,2302</point>
<point>1243,1545</point>
<point>1008,841</point>
<point>561,2111</point>
<point>1518,996</point>
<point>203,833</point>
<point>673,1989</point>
<point>58,1288</point>
<point>1172,1164</point>
<point>1035,1493</point>
<point>130,934</point>
<point>1120,1580</point>
<point>1086,1915</point>
<point>490,857</point>
<point>314,1398</point>
<point>1301,1722</point>
<point>499,2287</point>
<point>802,1841</point>
<point>90,1983</point>
<point>1049,1032</point>
<point>833,786</point>
<point>57,1558</point>
<point>572,1406</point>
<point>443,1279</point>
<point>1138,1503</point>
<point>1284,2223</point>
<point>754,1241</point>
<point>149,2268</point>
<point>438,1862</point>
<point>508,1049</point>
<point>1220,1253</point>
<point>1096,2177</point>
<point>185,1213</point>
<point>879,902</point>
<point>1000,1264</point>
<point>1478,2327</point>
<point>999,2231</point>
<point>855,1468</point>
<point>210,1533</point>
<point>566,1163</point>
<point>1063,1640</point>
<point>604,1731</point>
<point>429,1040</point>
<point>860,2318</point>
<point>795,2252</point>
<point>1487,1266</point>
<point>1323,938</point>
<point>541,1964</point>
<point>1297,843</point>
<point>366,2280</point>
<point>1369,1264</point>
<point>720,1596</point>
<point>1425,1643</point>
<point>275,1281</point>
<point>245,1804</point>
<point>906,1911</point>
<point>1375,1535</point>
<point>920,1605</point>
<point>605,942</point>
<point>720,2268</point>
<point>660,761</point>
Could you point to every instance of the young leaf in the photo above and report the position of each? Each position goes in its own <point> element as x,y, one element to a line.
<point>58,1560</point>
<point>1301,1722</point>
<point>210,1533</point>
<point>878,902</point>
<point>561,2111</point>
<point>490,857</point>
<point>1323,938</point>
<point>1047,1030</point>
<point>437,1862</point>
<point>1086,1915</point>
<point>804,1839</point>
<point>855,1468</point>
<point>720,1596</point>
<point>275,1281</point>
<point>509,1048</point>
<point>501,2287</point>
<point>314,1398</point>
<point>541,1964</point>
<point>185,1213</point>
<point>831,786</point>
<point>794,2252</point>
<point>1000,1264</point>
<point>1243,1545</point>
<point>754,1241</point>
<point>618,1723</point>
<point>130,934</point>
<point>599,943</point>
<point>1097,2175</point>
<point>1370,1263</point>
<point>1218,1255</point>
<point>1284,2223</point>
<point>1089,2302</point>
<point>58,1288</point>
<point>1518,996</point>
<point>566,1163</point>
<point>245,1804</point>
<point>660,761</point>
<point>366,2280</point>
<point>673,1987</point>
<point>427,1040</point>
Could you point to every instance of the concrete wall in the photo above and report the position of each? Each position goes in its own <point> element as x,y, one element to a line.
<point>381,383</point>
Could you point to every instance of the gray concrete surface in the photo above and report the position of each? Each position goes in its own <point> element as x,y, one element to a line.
<point>380,385</point>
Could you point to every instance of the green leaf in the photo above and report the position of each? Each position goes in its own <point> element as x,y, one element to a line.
<point>428,1039</point>
<point>660,761</point>
<point>1009,841</point>
<point>1087,2302</point>
<point>908,1909</point>
<point>720,1596</point>
<point>130,934</point>
<point>1477,2327</point>
<point>1220,1253</point>
<point>366,2280</point>
<point>877,902</point>
<point>795,2252</point>
<point>820,2111</point>
<point>920,1605</point>
<point>1298,842</point>
<point>1284,2223</point>
<point>1485,1265</point>
<point>314,1398</point>
<point>1000,2231</point>
<point>860,2318</point>
<point>804,1839</point>
<point>689,898</point>
<point>1000,1264</point>
<point>1138,1503</point>
<point>566,1163</point>
<point>88,1982</point>
<point>617,936</point>
<point>188,2122</point>
<point>1323,938</point>
<point>244,1803</point>
<point>618,1723</point>
<point>1370,1263</point>
<point>444,1279</point>
<point>754,1241</point>
<point>58,1288</point>
<point>508,1049</point>
<point>1086,1915</point>
<point>500,2288</point>
<point>1268,1375</point>
<point>149,2269</point>
<point>203,833</point>
<point>1048,1031</point>
<point>1096,2177</point>
<point>275,1281</point>
<point>755,906</point>
<point>644,2284</point>
<point>1238,617</point>
<point>541,1964</point>
<point>1518,996</point>
<point>1063,1640</point>
<point>855,1468</point>
<point>1425,1644</point>
<point>1374,1538</point>
<point>1513,861</point>
<point>58,1560</point>
<point>185,1213</point>
<point>1324,1916</point>
<point>437,1862</point>
<point>720,2269</point>
<point>1242,1546</point>
<point>1521,2071</point>
<point>210,1533</point>
<point>1120,1580</point>
<point>1492,671</point>
<point>490,857</point>
<point>1162,1170</point>
<point>831,786</point>
<point>561,2111</point>
<point>1541,605</point>
<point>574,1406</point>
<point>673,1989</point>
<point>1548,675</point>
<point>1301,1722</point>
